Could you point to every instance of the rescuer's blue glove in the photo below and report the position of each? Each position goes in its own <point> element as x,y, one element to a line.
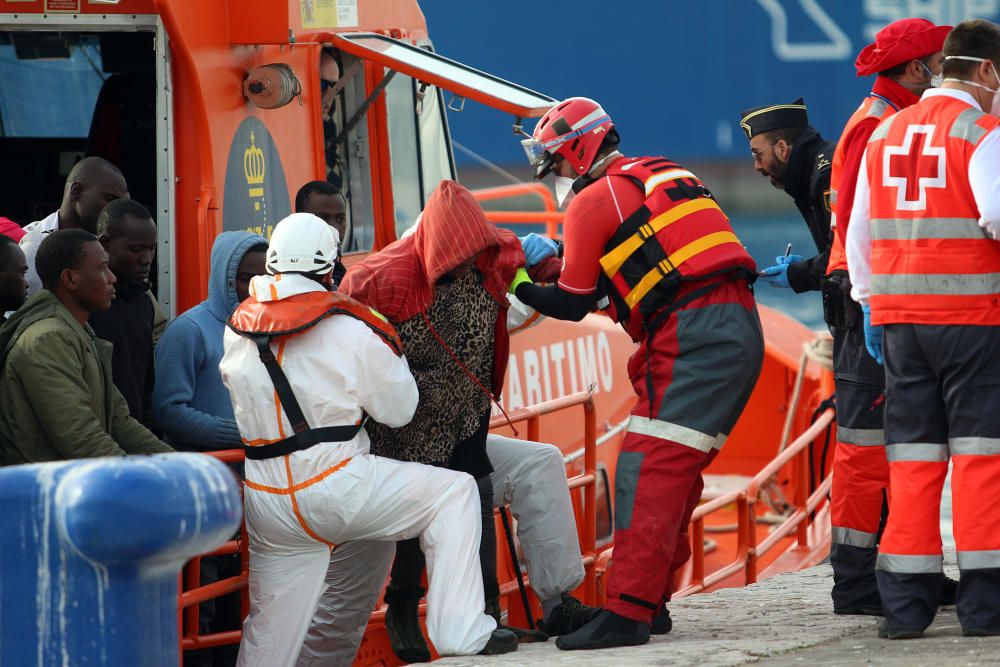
<point>538,247</point>
<point>873,335</point>
<point>777,275</point>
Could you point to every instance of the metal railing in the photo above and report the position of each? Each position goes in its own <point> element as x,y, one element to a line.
<point>193,593</point>
<point>748,551</point>
<point>550,216</point>
<point>587,480</point>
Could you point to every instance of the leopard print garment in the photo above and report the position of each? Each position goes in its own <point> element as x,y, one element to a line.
<point>451,405</point>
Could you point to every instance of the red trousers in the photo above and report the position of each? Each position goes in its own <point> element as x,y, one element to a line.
<point>703,363</point>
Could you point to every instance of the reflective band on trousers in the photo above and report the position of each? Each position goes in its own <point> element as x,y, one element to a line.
<point>888,229</point>
<point>987,559</point>
<point>675,433</point>
<point>853,538</point>
<point>909,564</point>
<point>974,445</point>
<point>936,283</point>
<point>861,436</point>
<point>917,451</point>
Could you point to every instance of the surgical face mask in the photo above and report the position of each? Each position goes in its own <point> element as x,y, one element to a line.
<point>995,104</point>
<point>936,79</point>
<point>564,190</point>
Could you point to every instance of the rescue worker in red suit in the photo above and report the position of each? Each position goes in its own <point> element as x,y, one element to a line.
<point>924,262</point>
<point>646,241</point>
<point>906,56</point>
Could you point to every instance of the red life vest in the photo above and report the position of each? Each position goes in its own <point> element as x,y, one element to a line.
<point>931,261</point>
<point>873,106</point>
<point>263,322</point>
<point>678,235</point>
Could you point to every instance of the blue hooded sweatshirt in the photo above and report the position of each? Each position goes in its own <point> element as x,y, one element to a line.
<point>190,403</point>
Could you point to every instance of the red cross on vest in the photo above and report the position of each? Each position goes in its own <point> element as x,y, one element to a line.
<point>914,167</point>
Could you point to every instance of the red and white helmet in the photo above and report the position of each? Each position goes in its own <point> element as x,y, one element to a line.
<point>573,129</point>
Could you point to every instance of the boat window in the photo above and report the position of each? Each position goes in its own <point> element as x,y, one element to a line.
<point>418,144</point>
<point>404,151</point>
<point>50,84</point>
<point>354,155</point>
<point>435,153</point>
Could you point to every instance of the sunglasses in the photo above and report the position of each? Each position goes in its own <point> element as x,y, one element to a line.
<point>326,84</point>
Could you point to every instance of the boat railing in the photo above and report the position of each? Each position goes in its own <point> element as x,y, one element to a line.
<point>550,215</point>
<point>193,593</point>
<point>748,550</point>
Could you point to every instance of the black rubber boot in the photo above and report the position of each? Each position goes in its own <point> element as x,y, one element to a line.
<point>869,605</point>
<point>524,636</point>
<point>402,622</point>
<point>885,632</point>
<point>501,641</point>
<point>662,624</point>
<point>570,615</point>
<point>607,630</point>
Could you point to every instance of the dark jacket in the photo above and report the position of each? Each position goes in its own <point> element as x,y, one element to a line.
<point>807,181</point>
<point>56,388</point>
<point>132,324</point>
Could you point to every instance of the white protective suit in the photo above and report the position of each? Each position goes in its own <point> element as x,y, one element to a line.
<point>529,476</point>
<point>298,507</point>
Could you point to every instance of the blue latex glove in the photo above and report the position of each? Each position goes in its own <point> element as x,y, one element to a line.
<point>538,247</point>
<point>777,275</point>
<point>873,335</point>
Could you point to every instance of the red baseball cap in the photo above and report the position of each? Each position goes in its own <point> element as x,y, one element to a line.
<point>10,228</point>
<point>899,42</point>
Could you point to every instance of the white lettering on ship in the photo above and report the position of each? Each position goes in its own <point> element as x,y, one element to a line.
<point>558,369</point>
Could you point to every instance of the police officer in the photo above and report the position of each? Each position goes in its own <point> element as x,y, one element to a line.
<point>795,158</point>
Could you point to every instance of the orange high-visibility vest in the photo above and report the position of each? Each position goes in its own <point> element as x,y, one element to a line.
<point>873,106</point>
<point>931,261</point>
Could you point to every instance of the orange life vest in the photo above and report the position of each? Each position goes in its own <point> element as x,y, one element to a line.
<point>678,234</point>
<point>931,262</point>
<point>873,106</point>
<point>263,322</point>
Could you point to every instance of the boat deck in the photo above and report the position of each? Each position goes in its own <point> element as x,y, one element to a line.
<point>786,620</point>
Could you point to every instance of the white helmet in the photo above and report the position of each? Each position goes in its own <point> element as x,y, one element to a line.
<point>302,243</point>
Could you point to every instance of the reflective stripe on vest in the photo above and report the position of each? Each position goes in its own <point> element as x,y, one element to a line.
<point>678,234</point>
<point>931,262</point>
<point>927,228</point>
<point>872,106</point>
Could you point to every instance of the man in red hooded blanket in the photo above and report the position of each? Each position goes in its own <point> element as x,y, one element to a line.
<point>444,288</point>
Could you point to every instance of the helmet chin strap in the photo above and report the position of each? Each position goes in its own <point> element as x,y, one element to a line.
<point>586,179</point>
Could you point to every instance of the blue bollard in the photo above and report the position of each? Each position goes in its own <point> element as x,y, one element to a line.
<point>90,553</point>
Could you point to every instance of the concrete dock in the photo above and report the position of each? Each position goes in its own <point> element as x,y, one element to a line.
<point>784,621</point>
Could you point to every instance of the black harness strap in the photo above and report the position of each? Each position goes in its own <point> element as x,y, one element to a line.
<point>304,436</point>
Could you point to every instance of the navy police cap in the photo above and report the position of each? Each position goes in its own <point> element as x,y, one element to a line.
<point>774,117</point>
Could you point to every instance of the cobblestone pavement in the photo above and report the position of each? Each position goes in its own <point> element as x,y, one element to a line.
<point>784,621</point>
